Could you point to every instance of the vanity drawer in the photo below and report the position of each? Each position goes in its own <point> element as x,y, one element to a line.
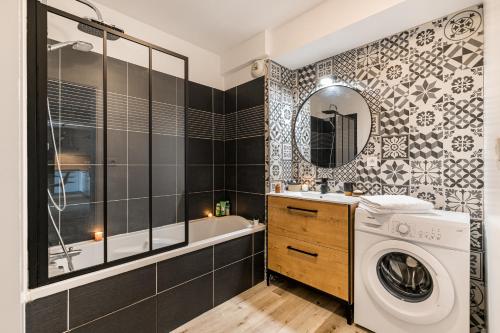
<point>318,266</point>
<point>320,223</point>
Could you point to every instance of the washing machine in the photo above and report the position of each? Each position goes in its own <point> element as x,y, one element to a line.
<point>412,272</point>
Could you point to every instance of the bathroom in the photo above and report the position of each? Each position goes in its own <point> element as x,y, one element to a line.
<point>227,166</point>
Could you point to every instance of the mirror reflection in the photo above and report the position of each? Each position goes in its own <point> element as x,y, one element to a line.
<point>332,126</point>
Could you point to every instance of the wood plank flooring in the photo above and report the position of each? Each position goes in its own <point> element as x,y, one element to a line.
<point>283,307</point>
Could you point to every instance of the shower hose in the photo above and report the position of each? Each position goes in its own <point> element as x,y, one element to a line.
<point>58,207</point>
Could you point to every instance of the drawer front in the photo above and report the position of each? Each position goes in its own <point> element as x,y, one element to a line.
<point>320,223</point>
<point>320,267</point>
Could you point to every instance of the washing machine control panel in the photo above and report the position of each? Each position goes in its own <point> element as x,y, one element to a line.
<point>415,231</point>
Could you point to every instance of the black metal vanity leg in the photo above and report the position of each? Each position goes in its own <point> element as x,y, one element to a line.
<point>268,278</point>
<point>350,313</point>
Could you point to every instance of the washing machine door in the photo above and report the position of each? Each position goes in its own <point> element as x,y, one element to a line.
<point>408,282</point>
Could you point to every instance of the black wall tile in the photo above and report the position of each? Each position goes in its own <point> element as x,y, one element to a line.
<point>230,101</point>
<point>84,68</point>
<point>164,179</point>
<point>232,280</point>
<point>117,182</point>
<point>164,210</point>
<point>47,314</point>
<point>138,181</point>
<point>233,250</point>
<point>138,81</point>
<point>258,268</point>
<point>183,303</point>
<point>117,217</point>
<point>117,76</point>
<point>117,148</point>
<point>163,87</point>
<point>251,150</point>
<point>199,151</point>
<point>199,204</point>
<point>259,241</point>
<point>180,269</point>
<point>138,214</point>
<point>138,148</point>
<point>80,222</point>
<point>231,177</point>
<point>138,318</point>
<point>230,151</point>
<point>219,157</point>
<point>200,97</point>
<point>232,196</point>
<point>165,149</point>
<point>96,299</point>
<point>250,178</point>
<point>250,94</point>
<point>251,205</point>
<point>219,177</point>
<point>181,208</point>
<point>200,178</point>
<point>218,101</point>
<point>180,91</point>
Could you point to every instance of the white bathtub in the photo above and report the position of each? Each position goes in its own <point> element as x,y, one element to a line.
<point>202,233</point>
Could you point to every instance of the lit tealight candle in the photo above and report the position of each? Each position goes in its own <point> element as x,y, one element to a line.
<point>210,215</point>
<point>98,236</point>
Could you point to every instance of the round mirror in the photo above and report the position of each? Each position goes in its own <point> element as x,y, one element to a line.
<point>332,126</point>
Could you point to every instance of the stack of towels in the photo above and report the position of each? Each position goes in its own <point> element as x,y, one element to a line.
<point>395,204</point>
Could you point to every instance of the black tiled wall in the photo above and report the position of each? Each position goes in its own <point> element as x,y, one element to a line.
<point>155,298</point>
<point>75,93</point>
<point>226,149</point>
<point>244,148</point>
<point>205,158</point>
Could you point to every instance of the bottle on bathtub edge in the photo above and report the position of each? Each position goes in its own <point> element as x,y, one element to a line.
<point>222,208</point>
<point>228,210</point>
<point>217,209</point>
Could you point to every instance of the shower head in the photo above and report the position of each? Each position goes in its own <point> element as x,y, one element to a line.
<point>77,45</point>
<point>94,31</point>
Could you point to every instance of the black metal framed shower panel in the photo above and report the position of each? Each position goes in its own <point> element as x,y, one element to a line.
<point>37,153</point>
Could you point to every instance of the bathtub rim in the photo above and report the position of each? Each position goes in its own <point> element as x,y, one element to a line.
<point>53,288</point>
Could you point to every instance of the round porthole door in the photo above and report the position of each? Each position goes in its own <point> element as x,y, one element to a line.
<point>408,282</point>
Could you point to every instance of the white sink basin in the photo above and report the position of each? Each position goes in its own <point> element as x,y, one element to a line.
<point>317,196</point>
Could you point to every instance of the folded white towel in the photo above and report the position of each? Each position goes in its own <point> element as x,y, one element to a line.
<point>392,204</point>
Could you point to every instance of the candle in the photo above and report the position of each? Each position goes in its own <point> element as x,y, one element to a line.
<point>209,215</point>
<point>98,236</point>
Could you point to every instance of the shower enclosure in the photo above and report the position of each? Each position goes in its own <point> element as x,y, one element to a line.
<point>106,145</point>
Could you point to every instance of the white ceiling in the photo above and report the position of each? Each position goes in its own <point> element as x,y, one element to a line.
<point>216,25</point>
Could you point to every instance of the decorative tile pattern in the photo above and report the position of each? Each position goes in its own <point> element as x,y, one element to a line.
<point>394,147</point>
<point>424,88</point>
<point>426,172</point>
<point>395,172</point>
<point>428,145</point>
<point>464,173</point>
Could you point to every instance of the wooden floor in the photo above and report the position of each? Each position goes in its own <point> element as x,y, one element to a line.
<point>283,307</point>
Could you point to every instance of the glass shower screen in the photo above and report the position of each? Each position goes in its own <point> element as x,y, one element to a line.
<point>115,147</point>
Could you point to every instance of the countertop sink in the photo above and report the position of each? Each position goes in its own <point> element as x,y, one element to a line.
<point>317,196</point>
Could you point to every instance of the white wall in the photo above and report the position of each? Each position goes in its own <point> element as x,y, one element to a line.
<point>11,116</point>
<point>492,158</point>
<point>204,66</point>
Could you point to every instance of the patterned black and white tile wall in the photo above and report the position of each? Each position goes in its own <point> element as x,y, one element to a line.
<point>424,87</point>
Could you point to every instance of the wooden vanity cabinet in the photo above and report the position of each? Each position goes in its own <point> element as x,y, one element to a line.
<point>312,242</point>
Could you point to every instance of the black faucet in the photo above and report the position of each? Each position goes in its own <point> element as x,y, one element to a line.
<point>324,185</point>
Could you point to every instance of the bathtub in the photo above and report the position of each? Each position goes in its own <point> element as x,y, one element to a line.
<point>202,233</point>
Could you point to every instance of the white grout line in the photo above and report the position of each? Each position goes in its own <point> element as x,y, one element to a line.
<point>113,312</point>
<point>185,282</point>
<point>126,213</point>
